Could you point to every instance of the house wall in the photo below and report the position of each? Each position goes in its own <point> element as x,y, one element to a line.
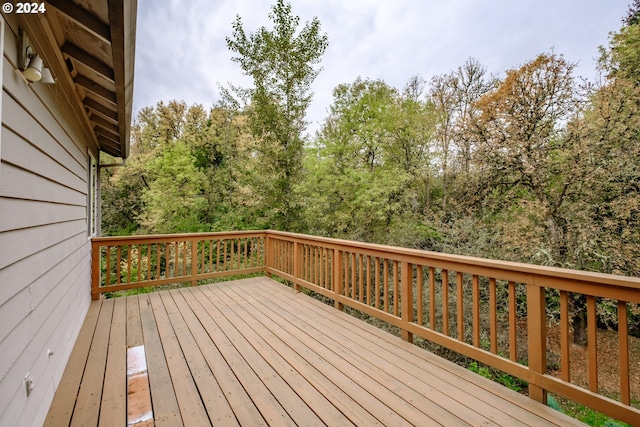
<point>44,243</point>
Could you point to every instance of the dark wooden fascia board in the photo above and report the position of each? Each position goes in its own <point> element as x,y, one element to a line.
<point>95,88</point>
<point>84,18</point>
<point>122,17</point>
<point>88,60</point>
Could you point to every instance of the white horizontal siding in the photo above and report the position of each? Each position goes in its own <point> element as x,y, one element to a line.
<point>22,154</point>
<point>38,266</point>
<point>45,265</point>
<point>21,213</point>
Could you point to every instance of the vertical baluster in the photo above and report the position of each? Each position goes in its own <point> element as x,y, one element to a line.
<point>432,297</point>
<point>327,276</point>
<point>185,253</point>
<point>445,302</point>
<point>386,285</point>
<point>139,260</point>
<point>218,255</point>
<point>176,263</point>
<point>303,258</point>
<point>565,353</point>
<point>312,254</point>
<point>296,264</point>
<point>224,255</point>
<point>234,262</point>
<point>158,255</point>
<point>108,278</point>
<point>167,259</point>
<point>128,263</point>
<point>377,283</point>
<point>353,276</point>
<point>311,248</point>
<point>493,316</point>
<point>513,330</point>
<point>149,247</point>
<point>360,279</point>
<point>396,291</point>
<point>194,261</point>
<point>322,267</point>
<point>203,264</point>
<point>318,261</point>
<point>460,306</point>
<point>309,263</point>
<point>475,281</point>
<point>420,290</point>
<point>623,343</point>
<point>317,265</point>
<point>592,343</point>
<point>369,296</point>
<point>246,252</point>
<point>118,264</point>
<point>210,270</point>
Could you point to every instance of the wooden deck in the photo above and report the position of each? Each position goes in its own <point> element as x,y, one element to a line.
<point>255,352</point>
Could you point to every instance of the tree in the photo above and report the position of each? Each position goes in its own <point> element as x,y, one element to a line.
<point>524,156</point>
<point>610,199</point>
<point>282,64</point>
<point>367,176</point>
<point>453,97</point>
<point>633,15</point>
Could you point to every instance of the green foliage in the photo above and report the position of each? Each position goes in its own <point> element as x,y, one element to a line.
<point>553,403</point>
<point>480,370</point>
<point>281,64</point>
<point>175,198</point>
<point>506,380</point>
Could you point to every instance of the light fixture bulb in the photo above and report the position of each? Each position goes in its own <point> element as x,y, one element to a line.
<point>34,70</point>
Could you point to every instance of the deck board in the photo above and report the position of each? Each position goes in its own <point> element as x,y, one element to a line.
<point>255,352</point>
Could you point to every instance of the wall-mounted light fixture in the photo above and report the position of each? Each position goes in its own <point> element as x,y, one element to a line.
<point>30,63</point>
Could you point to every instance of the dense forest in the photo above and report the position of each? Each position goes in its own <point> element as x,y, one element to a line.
<point>536,165</point>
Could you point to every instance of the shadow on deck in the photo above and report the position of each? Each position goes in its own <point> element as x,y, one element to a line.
<point>255,352</point>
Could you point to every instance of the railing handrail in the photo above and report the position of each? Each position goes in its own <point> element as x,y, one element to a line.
<point>508,266</point>
<point>102,240</point>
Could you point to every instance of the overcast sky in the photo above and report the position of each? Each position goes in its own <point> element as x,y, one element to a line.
<point>181,51</point>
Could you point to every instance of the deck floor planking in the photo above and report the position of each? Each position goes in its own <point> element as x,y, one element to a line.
<point>255,352</point>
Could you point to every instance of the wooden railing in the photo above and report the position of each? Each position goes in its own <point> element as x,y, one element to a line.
<point>495,312</point>
<point>122,263</point>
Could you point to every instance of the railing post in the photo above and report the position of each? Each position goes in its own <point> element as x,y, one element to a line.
<point>267,255</point>
<point>194,261</point>
<point>296,264</point>
<point>95,270</point>
<point>337,278</point>
<point>407,299</point>
<point>537,338</point>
